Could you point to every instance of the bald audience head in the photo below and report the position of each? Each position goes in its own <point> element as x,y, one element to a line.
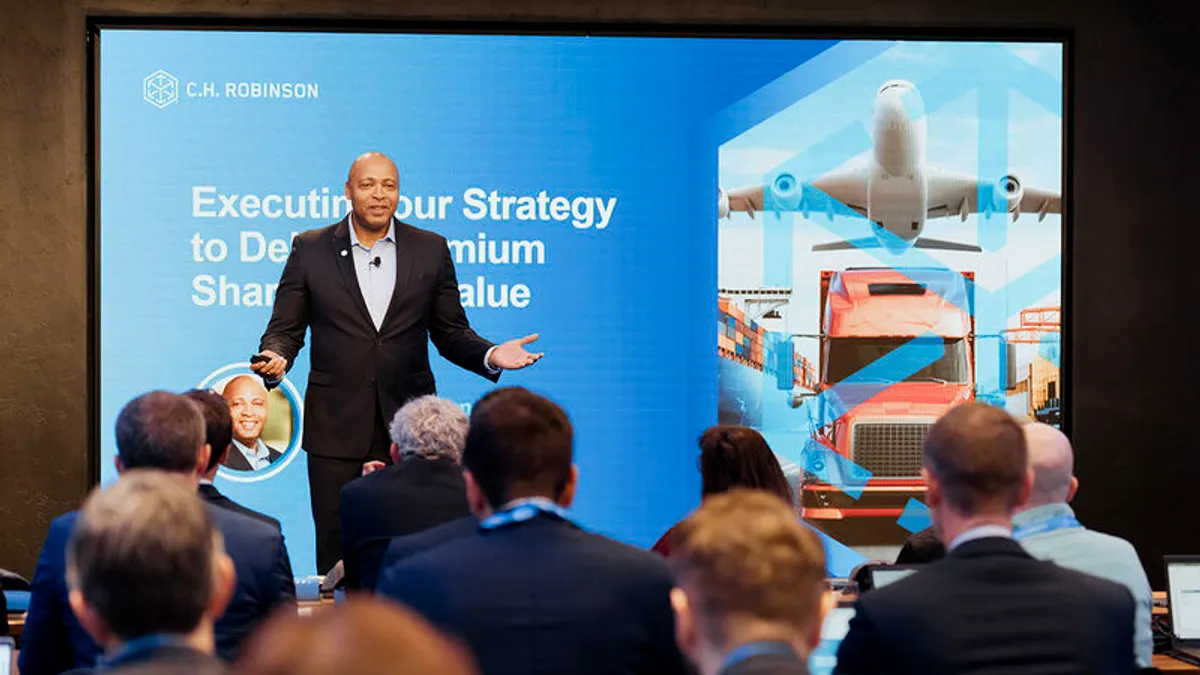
<point>364,636</point>
<point>1053,464</point>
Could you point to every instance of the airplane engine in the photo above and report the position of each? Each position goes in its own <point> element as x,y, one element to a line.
<point>787,193</point>
<point>1008,195</point>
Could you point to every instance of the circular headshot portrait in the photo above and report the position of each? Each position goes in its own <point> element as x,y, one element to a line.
<point>266,423</point>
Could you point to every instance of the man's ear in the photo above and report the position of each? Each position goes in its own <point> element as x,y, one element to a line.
<point>202,458</point>
<point>92,624</point>
<point>813,637</point>
<point>568,494</point>
<point>1073,489</point>
<point>224,581</point>
<point>685,621</point>
<point>933,491</point>
<point>394,453</point>
<point>119,464</point>
<point>475,498</point>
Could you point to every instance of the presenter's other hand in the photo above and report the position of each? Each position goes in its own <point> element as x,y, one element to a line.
<point>512,355</point>
<point>372,466</point>
<point>274,369</point>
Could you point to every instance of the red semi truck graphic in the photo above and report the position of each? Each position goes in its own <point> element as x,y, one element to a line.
<point>865,315</point>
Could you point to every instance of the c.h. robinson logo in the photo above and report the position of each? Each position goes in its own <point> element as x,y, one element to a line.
<point>160,89</point>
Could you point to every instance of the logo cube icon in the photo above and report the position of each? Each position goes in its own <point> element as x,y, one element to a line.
<point>160,89</point>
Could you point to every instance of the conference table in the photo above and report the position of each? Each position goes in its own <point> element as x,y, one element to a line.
<point>16,623</point>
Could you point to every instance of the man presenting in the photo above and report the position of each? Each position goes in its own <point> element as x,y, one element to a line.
<point>373,290</point>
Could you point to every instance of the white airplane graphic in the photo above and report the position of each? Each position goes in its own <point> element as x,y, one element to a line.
<point>896,192</point>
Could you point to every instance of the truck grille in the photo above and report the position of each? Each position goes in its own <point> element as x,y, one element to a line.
<point>889,449</point>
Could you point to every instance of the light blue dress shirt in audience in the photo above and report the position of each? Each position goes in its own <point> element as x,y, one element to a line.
<point>1094,553</point>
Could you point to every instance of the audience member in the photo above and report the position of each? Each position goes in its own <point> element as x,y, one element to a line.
<point>530,592</point>
<point>161,431</point>
<point>218,434</point>
<point>988,606</point>
<point>421,489</point>
<point>149,575</point>
<point>1047,529</point>
<point>921,547</point>
<point>732,457</point>
<point>361,637</point>
<point>750,595</point>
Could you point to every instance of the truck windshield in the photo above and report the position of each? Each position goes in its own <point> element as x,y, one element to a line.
<point>847,356</point>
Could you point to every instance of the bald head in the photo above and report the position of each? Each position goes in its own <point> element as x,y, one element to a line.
<point>247,399</point>
<point>373,188</point>
<point>1052,462</point>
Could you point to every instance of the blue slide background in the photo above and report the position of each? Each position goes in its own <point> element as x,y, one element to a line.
<point>626,313</point>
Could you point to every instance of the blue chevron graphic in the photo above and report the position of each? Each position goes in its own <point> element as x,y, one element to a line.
<point>992,75</point>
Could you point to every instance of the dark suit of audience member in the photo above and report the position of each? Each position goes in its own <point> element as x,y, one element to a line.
<point>148,576</point>
<point>423,487</point>
<point>990,607</point>
<point>402,548</point>
<point>987,607</point>
<point>53,640</point>
<point>404,498</point>
<point>531,593</point>
<point>921,547</point>
<point>3,614</point>
<point>210,494</point>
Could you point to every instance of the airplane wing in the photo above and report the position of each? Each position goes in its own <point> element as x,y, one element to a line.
<point>849,188</point>
<point>957,195</point>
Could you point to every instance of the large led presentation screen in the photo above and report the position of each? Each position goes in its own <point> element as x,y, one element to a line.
<point>830,241</point>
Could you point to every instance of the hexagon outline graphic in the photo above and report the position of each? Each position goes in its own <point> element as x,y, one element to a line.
<point>160,89</point>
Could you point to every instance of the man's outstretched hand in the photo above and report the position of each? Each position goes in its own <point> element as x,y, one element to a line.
<point>512,354</point>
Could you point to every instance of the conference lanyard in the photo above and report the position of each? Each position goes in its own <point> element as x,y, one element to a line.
<point>1050,525</point>
<point>753,649</point>
<point>138,646</point>
<point>522,510</point>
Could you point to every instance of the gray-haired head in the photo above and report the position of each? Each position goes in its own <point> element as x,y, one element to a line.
<point>430,427</point>
<point>142,555</point>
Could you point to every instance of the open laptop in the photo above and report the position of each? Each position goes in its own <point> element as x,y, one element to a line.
<point>823,659</point>
<point>1183,601</point>
<point>879,576</point>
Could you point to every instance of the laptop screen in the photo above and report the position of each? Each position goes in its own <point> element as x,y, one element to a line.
<point>883,576</point>
<point>1183,578</point>
<point>824,658</point>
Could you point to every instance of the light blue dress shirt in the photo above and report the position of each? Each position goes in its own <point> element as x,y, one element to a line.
<point>259,457</point>
<point>1098,554</point>
<point>378,282</point>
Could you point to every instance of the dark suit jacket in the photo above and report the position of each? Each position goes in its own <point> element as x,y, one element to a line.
<point>402,548</point>
<point>544,597</point>
<point>401,499</point>
<point>163,661</point>
<point>235,460</point>
<point>988,607</point>
<point>921,547</point>
<point>354,366</point>
<point>54,641</point>
<point>212,495</point>
<point>768,664</point>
